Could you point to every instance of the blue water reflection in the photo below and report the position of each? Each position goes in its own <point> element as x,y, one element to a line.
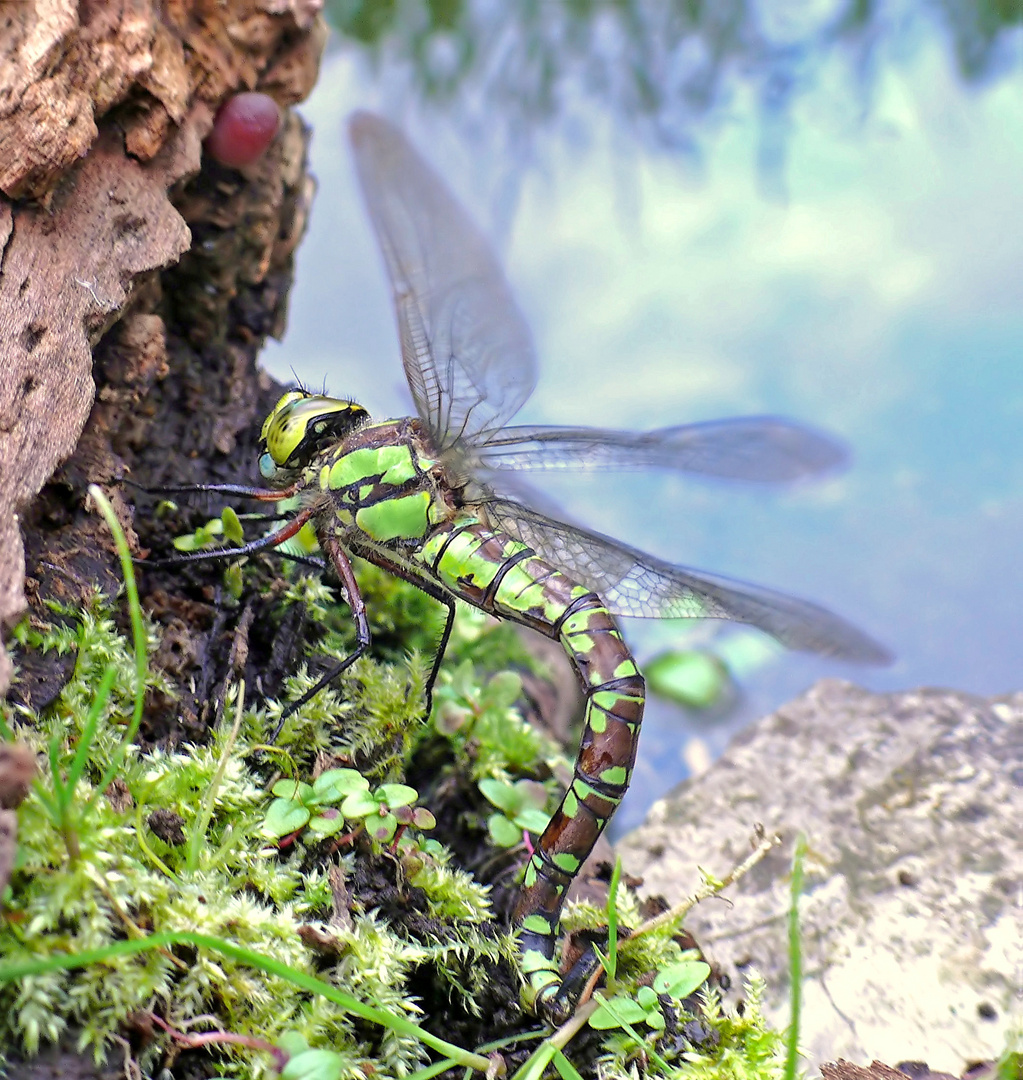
<point>880,299</point>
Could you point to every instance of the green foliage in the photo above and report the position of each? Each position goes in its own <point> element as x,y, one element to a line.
<point>470,709</point>
<point>129,875</point>
<point>226,529</point>
<point>381,810</point>
<point>671,984</point>
<point>298,805</point>
<point>521,805</point>
<point>145,880</point>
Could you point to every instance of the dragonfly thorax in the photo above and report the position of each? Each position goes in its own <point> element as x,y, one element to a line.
<point>384,483</point>
<point>300,427</point>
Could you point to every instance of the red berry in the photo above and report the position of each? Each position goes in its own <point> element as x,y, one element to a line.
<point>244,127</point>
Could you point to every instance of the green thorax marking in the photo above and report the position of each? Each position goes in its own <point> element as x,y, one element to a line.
<point>383,480</point>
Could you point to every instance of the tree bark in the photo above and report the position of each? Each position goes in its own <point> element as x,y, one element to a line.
<point>138,278</point>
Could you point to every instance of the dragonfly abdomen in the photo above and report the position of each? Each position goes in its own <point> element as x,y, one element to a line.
<point>506,577</point>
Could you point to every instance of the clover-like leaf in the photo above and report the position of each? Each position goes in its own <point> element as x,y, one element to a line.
<point>313,1065</point>
<point>293,790</point>
<point>359,804</point>
<point>381,827</point>
<point>284,817</point>
<point>328,822</point>
<point>502,795</point>
<point>503,832</point>
<point>534,821</point>
<point>680,980</point>
<point>394,795</point>
<point>334,784</point>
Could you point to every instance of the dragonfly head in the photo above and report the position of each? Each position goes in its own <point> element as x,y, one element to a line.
<point>300,426</point>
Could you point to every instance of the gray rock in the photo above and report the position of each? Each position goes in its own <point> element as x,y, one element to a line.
<point>912,916</point>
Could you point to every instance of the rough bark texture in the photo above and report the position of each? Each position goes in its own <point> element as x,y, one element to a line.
<point>103,108</point>
<point>912,931</point>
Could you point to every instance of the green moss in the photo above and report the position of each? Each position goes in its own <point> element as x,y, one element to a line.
<point>128,880</point>
<point>110,871</point>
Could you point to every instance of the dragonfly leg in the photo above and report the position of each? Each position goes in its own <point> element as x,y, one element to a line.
<point>442,648</point>
<point>242,490</point>
<point>440,595</point>
<point>615,694</point>
<point>343,568</point>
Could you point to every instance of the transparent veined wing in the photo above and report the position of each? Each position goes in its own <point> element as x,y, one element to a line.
<point>761,448</point>
<point>467,351</point>
<point>633,583</point>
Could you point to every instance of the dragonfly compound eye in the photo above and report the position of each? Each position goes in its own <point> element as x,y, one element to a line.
<point>302,425</point>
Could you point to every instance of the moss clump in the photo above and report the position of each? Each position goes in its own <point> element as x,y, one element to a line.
<point>278,944</point>
<point>125,874</point>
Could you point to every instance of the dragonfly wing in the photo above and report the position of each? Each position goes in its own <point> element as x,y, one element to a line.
<point>468,353</point>
<point>760,448</point>
<point>633,583</point>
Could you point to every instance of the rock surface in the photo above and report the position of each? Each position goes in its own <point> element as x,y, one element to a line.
<point>912,915</point>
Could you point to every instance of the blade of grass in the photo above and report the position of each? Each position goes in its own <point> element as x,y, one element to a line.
<point>435,1069</point>
<point>205,815</point>
<point>795,959</point>
<point>565,1068</point>
<point>138,631</point>
<point>19,969</point>
<point>626,1026</point>
<point>533,1068</point>
<point>612,921</point>
<point>89,730</point>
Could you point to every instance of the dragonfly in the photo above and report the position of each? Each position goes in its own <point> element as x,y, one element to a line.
<point>436,499</point>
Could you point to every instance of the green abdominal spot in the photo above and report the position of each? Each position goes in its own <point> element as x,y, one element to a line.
<point>616,774</point>
<point>392,519</point>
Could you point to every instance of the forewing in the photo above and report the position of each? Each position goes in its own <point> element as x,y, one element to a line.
<point>468,353</point>
<point>633,583</point>
<point>760,448</point>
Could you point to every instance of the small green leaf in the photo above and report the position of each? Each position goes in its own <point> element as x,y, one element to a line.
<point>381,826</point>
<point>313,1065</point>
<point>202,537</point>
<point>294,790</point>
<point>396,794</point>
<point>232,526</point>
<point>503,690</point>
<point>423,819</point>
<point>324,825</point>
<point>359,804</point>
<point>292,1043</point>
<point>655,1019</point>
<point>680,980</point>
<point>647,997</point>
<point>501,794</point>
<point>534,821</point>
<point>233,581</point>
<point>503,832</point>
<point>616,1011</point>
<point>335,784</point>
<point>284,817</point>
